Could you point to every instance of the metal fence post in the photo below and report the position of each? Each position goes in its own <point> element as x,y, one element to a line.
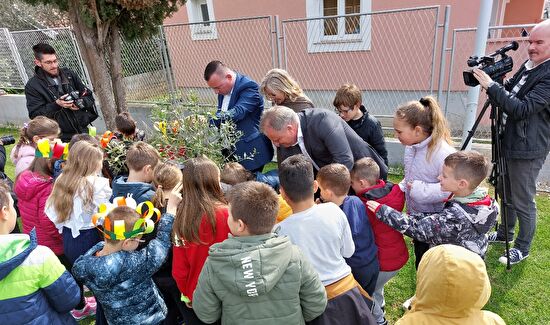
<point>15,56</point>
<point>450,77</point>
<point>167,66</point>
<point>443,53</point>
<point>277,41</point>
<point>432,77</point>
<point>80,59</point>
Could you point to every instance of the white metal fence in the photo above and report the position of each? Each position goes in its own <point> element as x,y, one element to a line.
<point>394,56</point>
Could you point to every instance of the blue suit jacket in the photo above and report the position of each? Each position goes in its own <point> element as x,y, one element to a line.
<point>245,108</point>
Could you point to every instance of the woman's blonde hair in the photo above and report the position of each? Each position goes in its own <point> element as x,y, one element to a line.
<point>201,195</point>
<point>84,160</point>
<point>280,80</point>
<point>166,176</point>
<point>40,126</point>
<point>427,114</point>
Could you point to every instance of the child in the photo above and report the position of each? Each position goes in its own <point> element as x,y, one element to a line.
<point>466,217</point>
<point>76,194</point>
<point>265,278</point>
<point>35,287</point>
<point>348,104</point>
<point>201,221</point>
<point>120,275</point>
<point>234,173</point>
<point>392,251</point>
<point>38,128</point>
<point>334,182</point>
<point>460,277</point>
<point>323,234</point>
<point>141,159</point>
<point>58,164</point>
<point>166,177</point>
<point>33,187</point>
<point>282,89</point>
<point>126,128</point>
<point>422,128</point>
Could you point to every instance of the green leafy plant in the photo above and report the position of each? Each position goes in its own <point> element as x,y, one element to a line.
<point>186,130</point>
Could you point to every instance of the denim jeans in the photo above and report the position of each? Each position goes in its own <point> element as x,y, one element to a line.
<point>521,189</point>
<point>378,295</point>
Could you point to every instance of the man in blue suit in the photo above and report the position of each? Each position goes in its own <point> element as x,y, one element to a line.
<point>240,101</point>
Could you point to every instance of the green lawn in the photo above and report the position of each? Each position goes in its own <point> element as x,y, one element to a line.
<point>519,296</point>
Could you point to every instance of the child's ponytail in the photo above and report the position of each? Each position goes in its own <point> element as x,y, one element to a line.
<point>440,128</point>
<point>39,126</point>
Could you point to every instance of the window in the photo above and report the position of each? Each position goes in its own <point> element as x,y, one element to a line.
<point>338,33</point>
<point>201,11</point>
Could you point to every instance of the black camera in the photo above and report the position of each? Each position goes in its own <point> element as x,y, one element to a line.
<point>495,69</point>
<point>76,97</point>
<point>7,140</point>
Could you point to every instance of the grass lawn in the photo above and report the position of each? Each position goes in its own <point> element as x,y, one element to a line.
<point>518,296</point>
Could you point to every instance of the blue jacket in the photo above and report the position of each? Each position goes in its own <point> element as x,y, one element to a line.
<point>35,288</point>
<point>139,191</point>
<point>122,282</point>
<point>270,178</point>
<point>245,109</point>
<point>361,231</point>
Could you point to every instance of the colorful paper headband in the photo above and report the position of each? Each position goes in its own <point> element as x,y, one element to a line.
<point>45,149</point>
<point>106,138</point>
<point>116,230</point>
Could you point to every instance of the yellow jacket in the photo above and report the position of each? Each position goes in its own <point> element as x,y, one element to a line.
<point>452,286</point>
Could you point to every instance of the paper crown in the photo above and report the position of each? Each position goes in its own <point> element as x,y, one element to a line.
<point>106,138</point>
<point>116,230</point>
<point>47,149</point>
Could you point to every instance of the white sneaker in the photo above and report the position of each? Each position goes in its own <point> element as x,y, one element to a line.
<point>516,256</point>
<point>407,303</point>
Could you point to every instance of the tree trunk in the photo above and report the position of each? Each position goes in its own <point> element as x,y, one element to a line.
<point>115,59</point>
<point>93,57</point>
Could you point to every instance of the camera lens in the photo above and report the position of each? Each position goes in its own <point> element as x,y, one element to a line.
<point>7,140</point>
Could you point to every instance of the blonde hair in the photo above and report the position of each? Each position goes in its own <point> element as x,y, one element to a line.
<point>427,114</point>
<point>84,160</point>
<point>40,126</point>
<point>141,154</point>
<point>335,177</point>
<point>201,195</point>
<point>166,176</point>
<point>129,215</point>
<point>366,169</point>
<point>280,80</point>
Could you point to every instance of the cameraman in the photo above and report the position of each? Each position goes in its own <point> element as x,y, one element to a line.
<point>524,99</point>
<point>47,94</point>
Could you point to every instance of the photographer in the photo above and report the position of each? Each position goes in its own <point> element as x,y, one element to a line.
<point>524,99</point>
<point>59,94</point>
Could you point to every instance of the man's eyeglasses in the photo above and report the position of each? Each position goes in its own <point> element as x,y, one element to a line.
<point>50,62</point>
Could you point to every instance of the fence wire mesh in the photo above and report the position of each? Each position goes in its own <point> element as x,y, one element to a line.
<point>462,49</point>
<point>10,75</point>
<point>388,55</point>
<point>62,40</point>
<point>245,45</point>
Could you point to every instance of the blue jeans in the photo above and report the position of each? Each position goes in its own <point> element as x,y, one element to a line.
<point>521,182</point>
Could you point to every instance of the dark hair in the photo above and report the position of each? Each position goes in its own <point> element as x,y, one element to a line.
<point>42,166</point>
<point>125,124</point>
<point>40,126</point>
<point>4,194</point>
<point>211,68</point>
<point>469,165</point>
<point>141,154</point>
<point>82,137</point>
<point>256,204</point>
<point>296,178</point>
<point>42,48</point>
<point>348,95</point>
<point>367,169</point>
<point>335,177</point>
<point>234,173</point>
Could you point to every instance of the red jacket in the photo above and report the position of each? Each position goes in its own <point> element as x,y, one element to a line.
<point>392,251</point>
<point>32,190</point>
<point>189,258</point>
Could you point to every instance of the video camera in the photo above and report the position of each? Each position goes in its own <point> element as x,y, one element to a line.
<point>495,70</point>
<point>76,96</point>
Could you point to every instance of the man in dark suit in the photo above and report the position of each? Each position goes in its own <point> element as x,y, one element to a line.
<point>318,134</point>
<point>239,100</point>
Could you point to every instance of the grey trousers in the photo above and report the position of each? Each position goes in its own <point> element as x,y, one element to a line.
<point>521,183</point>
<point>378,295</point>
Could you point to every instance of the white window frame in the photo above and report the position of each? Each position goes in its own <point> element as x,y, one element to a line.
<point>317,41</point>
<point>194,12</point>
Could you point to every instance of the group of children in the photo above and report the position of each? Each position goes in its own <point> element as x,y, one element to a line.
<point>174,245</point>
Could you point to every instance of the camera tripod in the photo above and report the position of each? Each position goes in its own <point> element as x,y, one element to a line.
<point>499,171</point>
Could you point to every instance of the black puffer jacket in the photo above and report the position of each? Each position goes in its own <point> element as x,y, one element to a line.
<point>527,129</point>
<point>41,94</point>
<point>370,130</point>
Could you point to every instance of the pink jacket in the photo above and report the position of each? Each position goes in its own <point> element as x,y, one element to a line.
<point>24,158</point>
<point>32,190</point>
